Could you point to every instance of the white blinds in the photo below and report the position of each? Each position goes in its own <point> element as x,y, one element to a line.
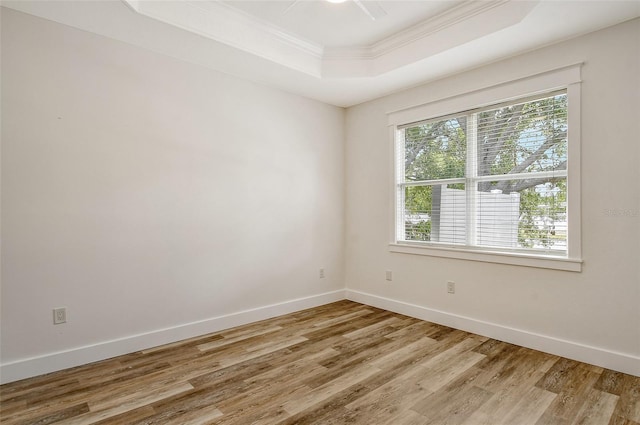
<point>492,177</point>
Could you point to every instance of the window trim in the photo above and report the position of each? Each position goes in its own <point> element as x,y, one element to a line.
<point>566,78</point>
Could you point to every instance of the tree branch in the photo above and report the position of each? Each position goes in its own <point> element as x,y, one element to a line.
<point>520,185</point>
<point>538,152</point>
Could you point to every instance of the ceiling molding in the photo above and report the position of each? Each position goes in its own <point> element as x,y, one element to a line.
<point>223,23</point>
<point>426,28</point>
<point>469,22</point>
<point>220,22</point>
<point>274,31</point>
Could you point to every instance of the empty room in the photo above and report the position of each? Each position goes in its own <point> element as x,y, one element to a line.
<point>320,212</point>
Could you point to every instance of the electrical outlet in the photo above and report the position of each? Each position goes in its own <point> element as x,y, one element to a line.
<point>59,315</point>
<point>451,287</point>
<point>321,273</point>
<point>389,275</point>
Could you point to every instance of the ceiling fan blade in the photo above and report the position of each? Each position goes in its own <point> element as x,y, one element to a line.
<point>293,3</point>
<point>371,8</point>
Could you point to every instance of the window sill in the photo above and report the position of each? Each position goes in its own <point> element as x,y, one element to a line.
<point>556,263</point>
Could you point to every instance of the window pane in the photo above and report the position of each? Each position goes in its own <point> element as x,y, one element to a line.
<point>543,216</point>
<point>436,150</point>
<point>435,213</point>
<point>525,137</point>
<point>531,216</point>
<point>417,213</point>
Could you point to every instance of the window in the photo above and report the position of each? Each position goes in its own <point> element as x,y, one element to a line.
<point>493,180</point>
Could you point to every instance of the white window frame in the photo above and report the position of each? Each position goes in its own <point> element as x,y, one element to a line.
<point>567,78</point>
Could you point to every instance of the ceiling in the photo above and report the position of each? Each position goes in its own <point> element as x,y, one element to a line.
<point>345,24</point>
<point>336,53</point>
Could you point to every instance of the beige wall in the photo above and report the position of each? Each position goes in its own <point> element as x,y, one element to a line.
<point>144,193</point>
<point>598,308</point>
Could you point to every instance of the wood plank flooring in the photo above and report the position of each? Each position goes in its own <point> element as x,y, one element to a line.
<point>343,363</point>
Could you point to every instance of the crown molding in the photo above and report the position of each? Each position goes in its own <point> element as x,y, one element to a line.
<point>225,24</point>
<point>426,28</point>
<point>274,31</point>
<point>221,22</point>
<point>465,23</point>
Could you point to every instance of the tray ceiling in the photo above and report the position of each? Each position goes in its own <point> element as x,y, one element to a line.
<point>335,52</point>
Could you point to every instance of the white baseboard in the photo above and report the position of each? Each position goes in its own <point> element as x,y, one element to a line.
<point>26,368</point>
<point>620,362</point>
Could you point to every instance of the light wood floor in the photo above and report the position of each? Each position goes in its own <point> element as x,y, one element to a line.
<point>343,363</point>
